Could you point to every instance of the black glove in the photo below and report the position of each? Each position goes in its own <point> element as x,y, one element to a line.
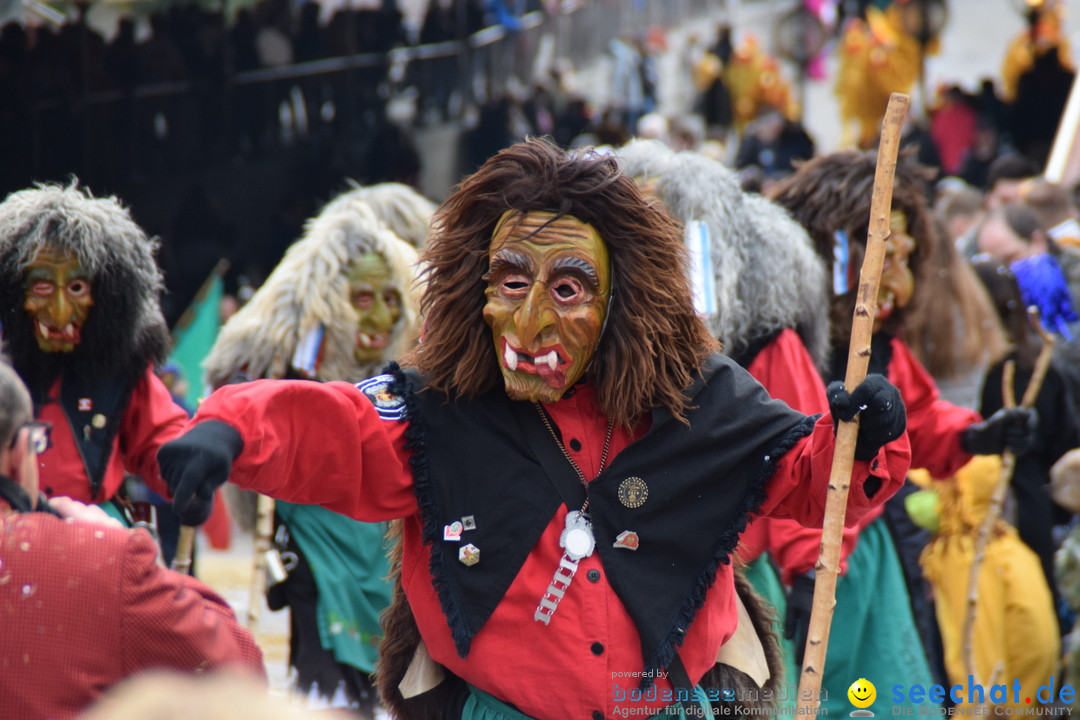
<point>196,512</point>
<point>1011,428</point>
<point>800,601</point>
<point>197,463</point>
<point>877,402</point>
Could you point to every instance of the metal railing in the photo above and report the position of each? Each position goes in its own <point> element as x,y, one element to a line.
<point>183,124</point>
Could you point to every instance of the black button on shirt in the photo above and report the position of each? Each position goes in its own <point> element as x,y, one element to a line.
<point>575,444</point>
<point>593,575</point>
<point>597,648</point>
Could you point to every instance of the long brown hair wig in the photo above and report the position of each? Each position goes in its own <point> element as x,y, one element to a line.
<point>653,342</point>
<point>832,193</point>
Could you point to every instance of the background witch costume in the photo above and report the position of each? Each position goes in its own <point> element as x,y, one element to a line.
<point>81,320</point>
<point>770,309</point>
<point>340,304</point>
<point>882,585</point>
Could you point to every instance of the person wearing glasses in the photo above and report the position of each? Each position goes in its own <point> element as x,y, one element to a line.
<point>86,602</point>
<point>81,321</point>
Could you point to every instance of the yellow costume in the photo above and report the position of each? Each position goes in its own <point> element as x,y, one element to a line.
<point>1015,625</point>
<point>754,80</point>
<point>877,58</point>
<point>1030,44</point>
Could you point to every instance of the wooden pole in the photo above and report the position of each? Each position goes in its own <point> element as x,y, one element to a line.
<point>993,511</point>
<point>862,329</point>
<point>264,531</point>
<point>185,546</point>
<point>1063,165</point>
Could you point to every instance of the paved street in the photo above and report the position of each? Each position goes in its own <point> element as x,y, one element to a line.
<point>229,572</point>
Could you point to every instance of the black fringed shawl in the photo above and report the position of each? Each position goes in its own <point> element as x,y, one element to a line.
<point>491,458</point>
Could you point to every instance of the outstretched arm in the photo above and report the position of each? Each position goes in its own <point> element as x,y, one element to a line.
<point>310,443</point>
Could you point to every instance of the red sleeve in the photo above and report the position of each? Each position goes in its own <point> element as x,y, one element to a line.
<point>175,621</point>
<point>151,419</point>
<point>797,489</point>
<point>787,371</point>
<point>317,444</point>
<point>796,548</point>
<point>934,425</point>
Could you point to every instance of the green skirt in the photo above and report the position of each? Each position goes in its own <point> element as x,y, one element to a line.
<point>873,634</point>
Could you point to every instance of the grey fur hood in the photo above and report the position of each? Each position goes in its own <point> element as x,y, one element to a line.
<point>767,274</point>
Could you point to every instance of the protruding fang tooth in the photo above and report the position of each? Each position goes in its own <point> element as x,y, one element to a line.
<point>551,360</point>
<point>43,329</point>
<point>365,338</point>
<point>510,356</point>
<point>69,330</point>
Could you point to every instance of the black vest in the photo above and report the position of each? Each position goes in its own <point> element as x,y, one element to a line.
<point>108,399</point>
<point>492,458</point>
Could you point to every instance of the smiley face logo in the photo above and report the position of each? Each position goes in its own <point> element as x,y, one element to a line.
<point>862,693</point>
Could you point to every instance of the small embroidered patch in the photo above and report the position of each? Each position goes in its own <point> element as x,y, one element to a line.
<point>387,404</point>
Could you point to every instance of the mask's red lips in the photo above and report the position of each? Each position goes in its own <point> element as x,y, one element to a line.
<point>69,333</point>
<point>549,362</point>
<point>372,340</point>
<point>885,307</point>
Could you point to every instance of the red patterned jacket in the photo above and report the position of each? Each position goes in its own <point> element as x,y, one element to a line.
<point>85,606</point>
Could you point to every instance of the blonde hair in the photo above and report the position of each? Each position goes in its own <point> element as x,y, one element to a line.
<point>163,695</point>
<point>398,206</point>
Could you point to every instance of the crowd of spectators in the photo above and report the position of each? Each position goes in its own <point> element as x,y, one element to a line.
<point>179,112</point>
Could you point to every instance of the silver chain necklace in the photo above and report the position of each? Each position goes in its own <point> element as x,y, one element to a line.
<point>577,539</point>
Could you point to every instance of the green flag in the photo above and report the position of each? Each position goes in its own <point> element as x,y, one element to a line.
<point>195,332</point>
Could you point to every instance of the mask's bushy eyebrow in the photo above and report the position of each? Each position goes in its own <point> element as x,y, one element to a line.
<point>581,265</point>
<point>509,259</point>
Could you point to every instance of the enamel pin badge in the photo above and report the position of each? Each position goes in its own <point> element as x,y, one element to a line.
<point>633,492</point>
<point>452,532</point>
<point>626,540</point>
<point>469,555</point>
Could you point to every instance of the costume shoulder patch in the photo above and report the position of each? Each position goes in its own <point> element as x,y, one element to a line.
<point>387,404</point>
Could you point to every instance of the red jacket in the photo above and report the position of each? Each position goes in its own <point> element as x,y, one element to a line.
<point>326,444</point>
<point>86,606</point>
<point>787,371</point>
<point>150,420</point>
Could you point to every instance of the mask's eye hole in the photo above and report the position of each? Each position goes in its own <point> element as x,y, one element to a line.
<point>42,288</point>
<point>514,287</point>
<point>363,300</point>
<point>568,291</point>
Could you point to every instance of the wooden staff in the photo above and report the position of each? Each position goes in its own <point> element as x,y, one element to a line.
<point>1008,466</point>
<point>185,546</point>
<point>862,329</point>
<point>264,532</point>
